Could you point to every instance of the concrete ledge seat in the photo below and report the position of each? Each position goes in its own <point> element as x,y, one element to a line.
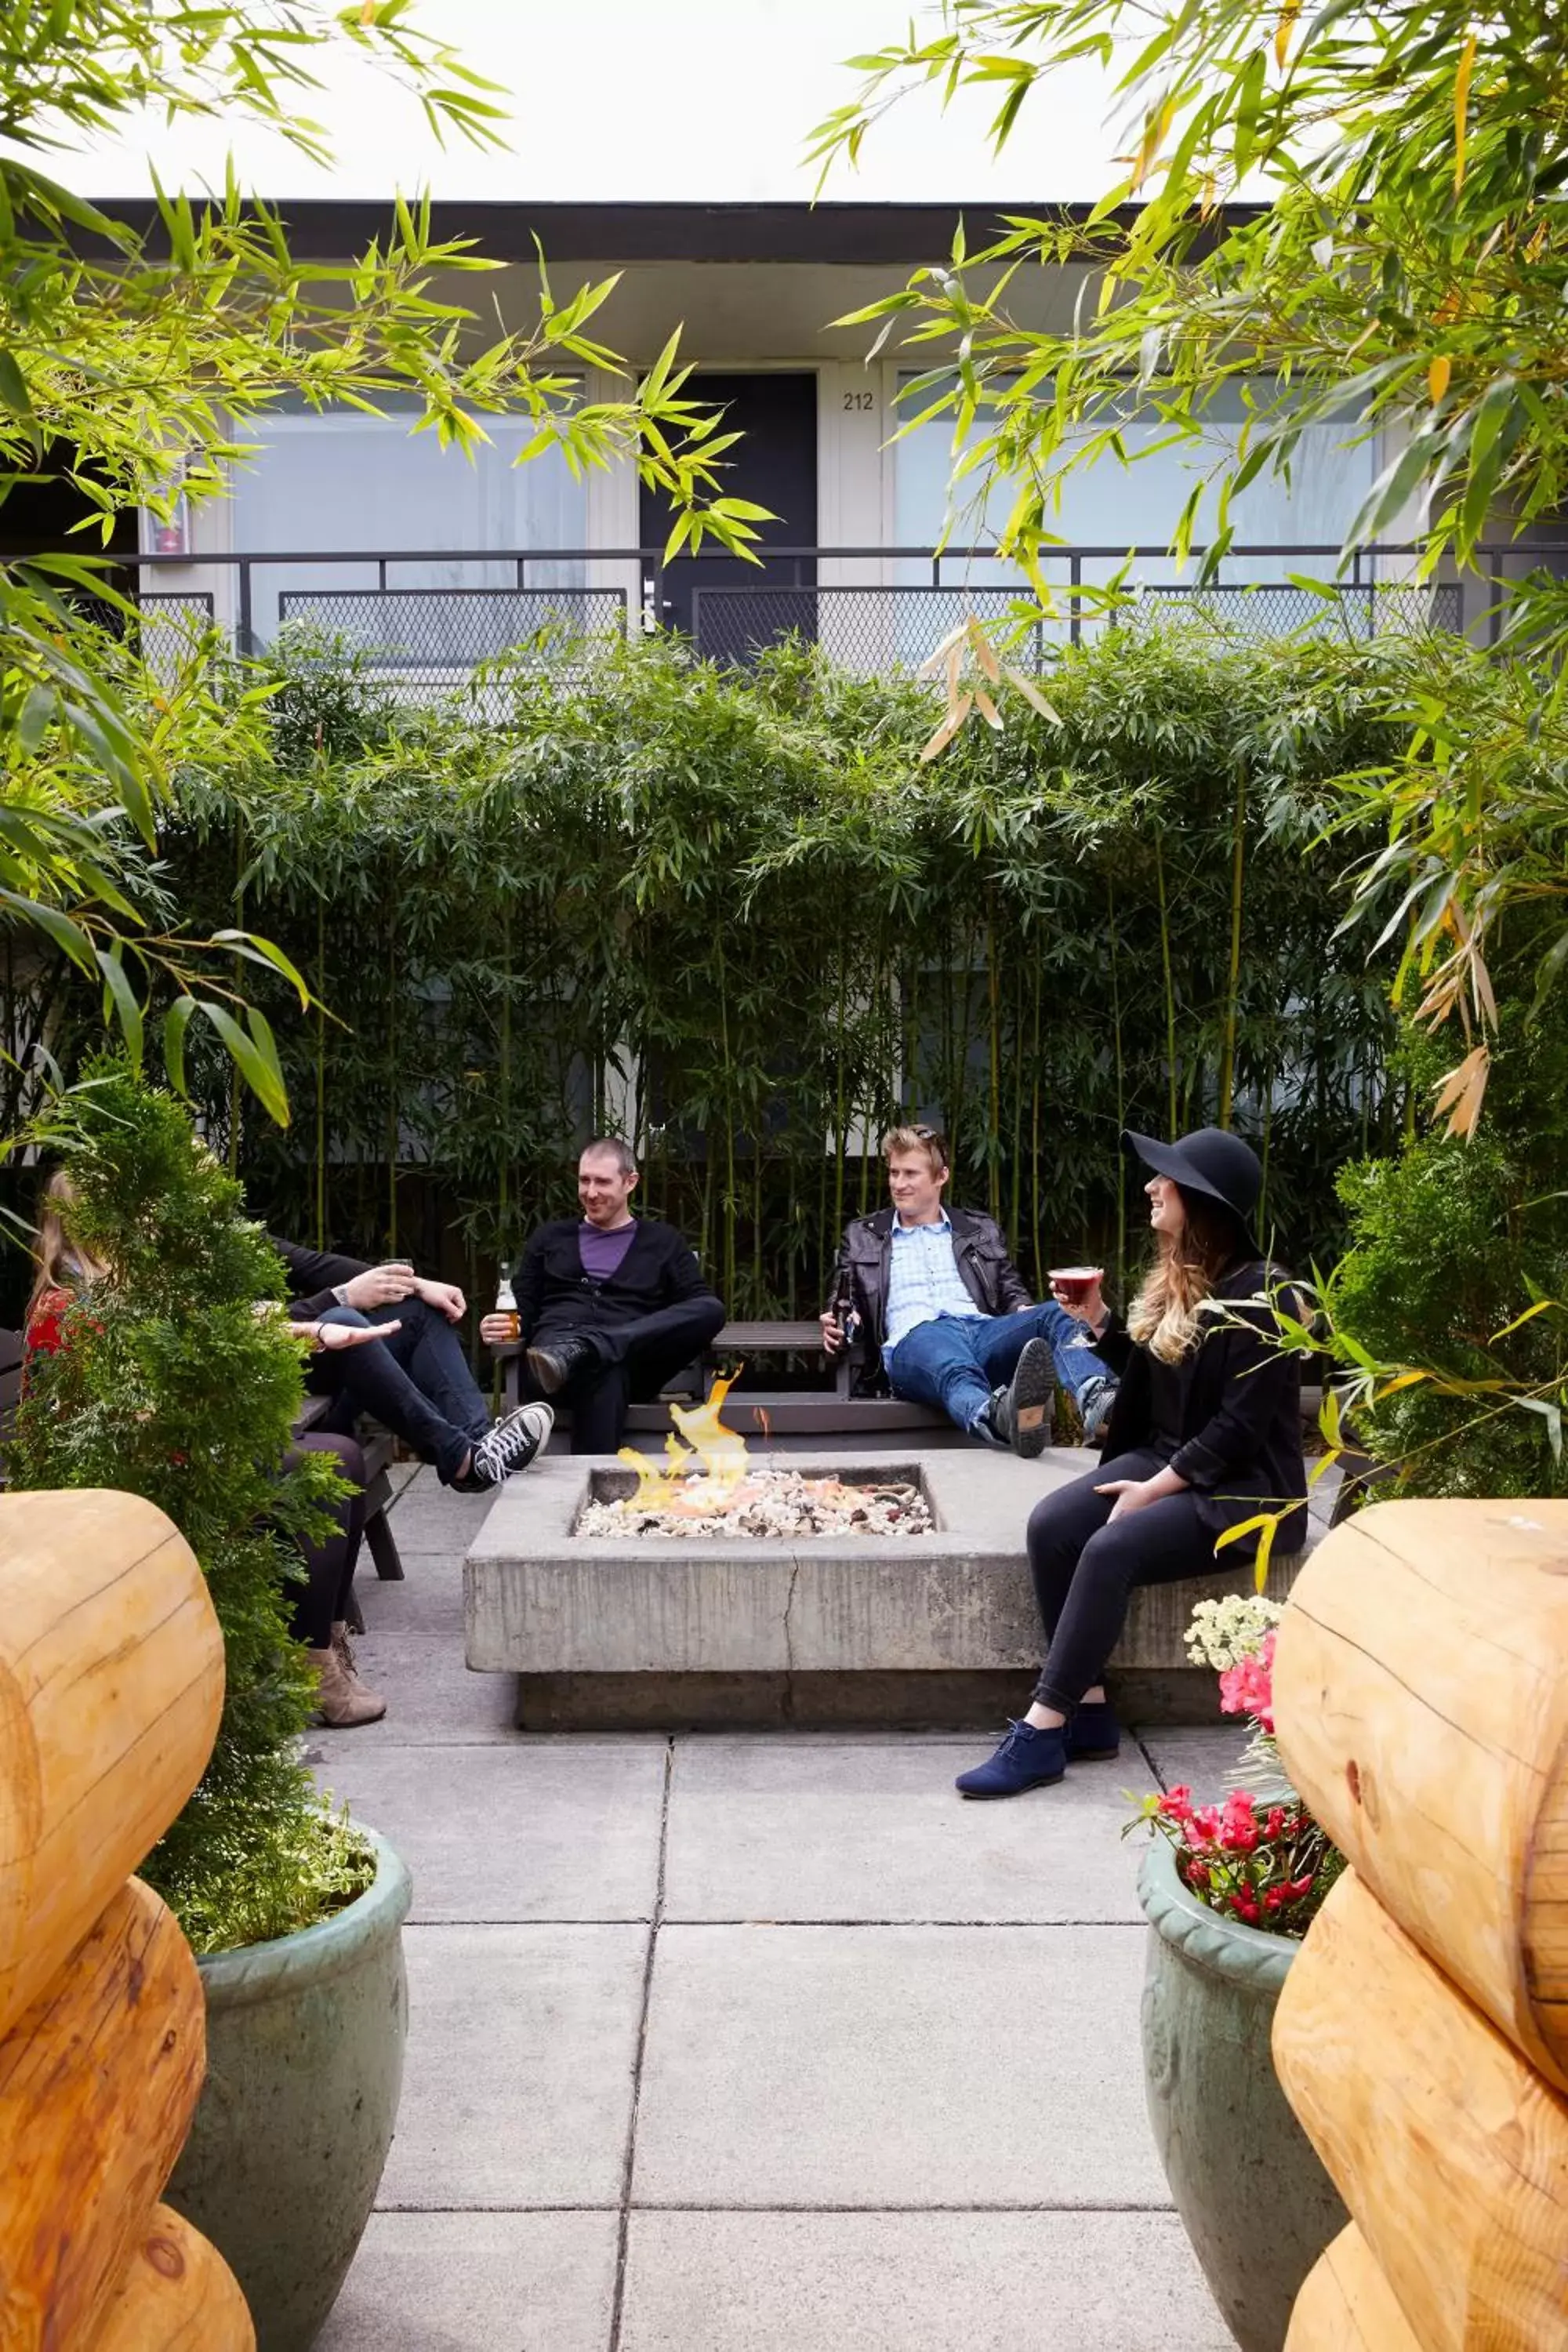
<point>676,1631</point>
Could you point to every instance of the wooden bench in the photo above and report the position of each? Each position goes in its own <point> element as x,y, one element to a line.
<point>379,1454</point>
<point>769,1413</point>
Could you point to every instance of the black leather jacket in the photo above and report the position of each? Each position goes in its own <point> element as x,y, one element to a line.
<point>987,1273</point>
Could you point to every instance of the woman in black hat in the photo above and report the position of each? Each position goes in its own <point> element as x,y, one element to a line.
<point>1205,1433</point>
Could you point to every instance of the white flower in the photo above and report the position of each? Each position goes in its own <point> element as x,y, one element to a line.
<point>1224,1632</point>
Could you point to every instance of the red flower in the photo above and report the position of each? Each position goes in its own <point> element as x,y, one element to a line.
<point>1246,1910</point>
<point>1205,1824</point>
<point>1176,1804</point>
<point>1275,1825</point>
<point>1296,1887</point>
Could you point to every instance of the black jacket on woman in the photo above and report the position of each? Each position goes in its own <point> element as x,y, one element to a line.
<point>1240,1449</point>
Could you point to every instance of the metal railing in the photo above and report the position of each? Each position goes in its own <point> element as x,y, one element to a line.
<point>433,616</point>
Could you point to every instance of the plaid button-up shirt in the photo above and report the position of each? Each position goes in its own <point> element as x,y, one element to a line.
<point>924,1279</point>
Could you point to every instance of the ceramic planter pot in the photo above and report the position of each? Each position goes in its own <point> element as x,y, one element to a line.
<point>305,2040</point>
<point>1253,2198</point>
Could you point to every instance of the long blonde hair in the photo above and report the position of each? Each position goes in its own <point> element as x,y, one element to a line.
<point>1167,1315</point>
<point>62,1263</point>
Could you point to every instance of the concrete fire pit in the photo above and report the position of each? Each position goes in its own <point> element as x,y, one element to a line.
<point>922,1631</point>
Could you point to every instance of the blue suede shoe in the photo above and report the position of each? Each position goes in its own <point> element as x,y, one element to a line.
<point>1094,1736</point>
<point>1027,1760</point>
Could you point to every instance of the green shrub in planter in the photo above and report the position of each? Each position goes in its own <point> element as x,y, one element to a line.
<point>171,1384</point>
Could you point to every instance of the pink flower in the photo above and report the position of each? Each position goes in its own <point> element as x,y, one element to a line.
<point>1248,1688</point>
<point>1176,1804</point>
<point>1205,1824</point>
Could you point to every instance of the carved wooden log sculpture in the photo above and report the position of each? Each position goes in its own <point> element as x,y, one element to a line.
<point>110,1689</point>
<point>177,2296</point>
<point>99,2081</point>
<point>1421,1694</point>
<point>1346,2304</point>
<point>1449,2150</point>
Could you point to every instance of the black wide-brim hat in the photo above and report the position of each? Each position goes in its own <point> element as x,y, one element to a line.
<point>1211,1160</point>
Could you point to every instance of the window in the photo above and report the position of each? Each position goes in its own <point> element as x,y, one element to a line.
<point>1116,506</point>
<point>338,479</point>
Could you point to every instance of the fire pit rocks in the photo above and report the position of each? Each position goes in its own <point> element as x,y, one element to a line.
<point>762,1503</point>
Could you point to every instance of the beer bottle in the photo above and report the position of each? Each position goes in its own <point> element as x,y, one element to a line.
<point>506,1304</point>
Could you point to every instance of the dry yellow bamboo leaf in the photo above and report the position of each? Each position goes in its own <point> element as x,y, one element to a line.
<point>1283,30</point>
<point>1462,1091</point>
<point>934,660</point>
<point>983,654</point>
<point>948,730</point>
<point>987,708</point>
<point>1438,376</point>
<point>1032,696</point>
<point>1467,66</point>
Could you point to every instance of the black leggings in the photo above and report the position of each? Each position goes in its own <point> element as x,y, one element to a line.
<point>324,1602</point>
<point>1084,1570</point>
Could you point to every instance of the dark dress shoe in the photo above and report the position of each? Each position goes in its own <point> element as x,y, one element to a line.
<point>555,1361</point>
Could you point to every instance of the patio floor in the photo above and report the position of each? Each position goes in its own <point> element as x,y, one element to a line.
<point>735,2043</point>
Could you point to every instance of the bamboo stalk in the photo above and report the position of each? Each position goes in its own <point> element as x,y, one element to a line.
<point>1120,1088</point>
<point>1233,975</point>
<point>320,1073</point>
<point>994,1073</point>
<point>1169,986</point>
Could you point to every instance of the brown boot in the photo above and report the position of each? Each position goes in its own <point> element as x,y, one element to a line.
<point>342,1700</point>
<point>344,1648</point>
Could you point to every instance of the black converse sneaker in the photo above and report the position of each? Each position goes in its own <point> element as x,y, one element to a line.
<point>511,1445</point>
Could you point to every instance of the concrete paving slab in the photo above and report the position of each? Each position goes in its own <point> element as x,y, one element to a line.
<point>429,1600</point>
<point>924,2281</point>
<point>570,1831</point>
<point>478,2283</point>
<point>517,2087</point>
<point>896,2066</point>
<point>1201,1757</point>
<point>431,1696</point>
<point>770,1829</point>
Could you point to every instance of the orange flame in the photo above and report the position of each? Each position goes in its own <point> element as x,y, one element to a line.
<point>720,1453</point>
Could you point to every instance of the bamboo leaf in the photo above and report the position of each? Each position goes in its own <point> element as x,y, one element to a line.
<point>176,1021</point>
<point>1463,72</point>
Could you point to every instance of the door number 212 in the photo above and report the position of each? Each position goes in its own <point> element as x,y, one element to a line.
<point>859,402</point>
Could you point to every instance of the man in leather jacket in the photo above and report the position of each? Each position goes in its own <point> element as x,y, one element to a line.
<point>947,1316</point>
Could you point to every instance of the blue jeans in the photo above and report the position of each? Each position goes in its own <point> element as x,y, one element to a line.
<point>418,1383</point>
<point>957,1360</point>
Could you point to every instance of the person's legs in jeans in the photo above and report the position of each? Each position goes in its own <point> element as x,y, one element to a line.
<point>1004,1338</point>
<point>430,1353</point>
<point>939,1364</point>
<point>372,1380</point>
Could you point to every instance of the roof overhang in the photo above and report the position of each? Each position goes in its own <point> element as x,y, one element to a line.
<point>895,236</point>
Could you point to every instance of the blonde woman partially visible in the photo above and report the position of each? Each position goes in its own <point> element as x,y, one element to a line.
<point>1206,1430</point>
<point>64,1268</point>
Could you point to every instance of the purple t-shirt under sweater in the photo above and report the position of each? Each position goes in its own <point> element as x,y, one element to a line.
<point>603,1254</point>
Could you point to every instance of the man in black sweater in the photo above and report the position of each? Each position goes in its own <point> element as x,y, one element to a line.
<point>608,1306</point>
<point>415,1380</point>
